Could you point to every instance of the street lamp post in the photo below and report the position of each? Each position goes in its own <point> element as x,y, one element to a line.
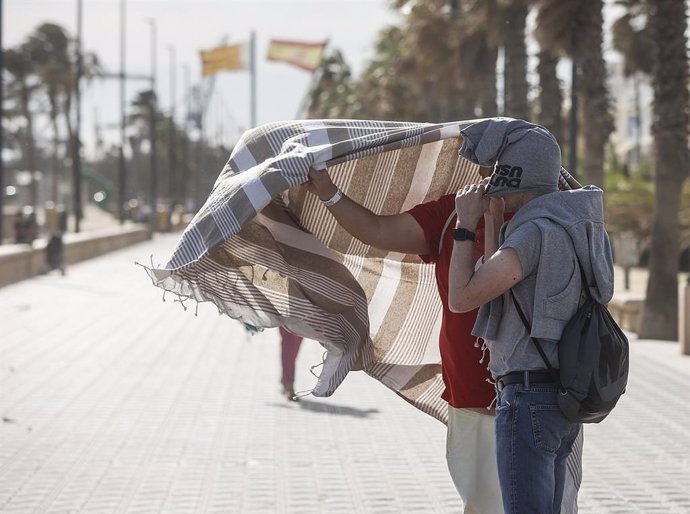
<point>173,183</point>
<point>122,175</point>
<point>572,121</point>
<point>76,152</point>
<point>152,128</point>
<point>186,170</point>
<point>252,50</point>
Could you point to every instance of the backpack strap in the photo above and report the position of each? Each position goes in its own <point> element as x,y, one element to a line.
<point>583,277</point>
<point>528,326</point>
<point>536,342</point>
<point>585,283</point>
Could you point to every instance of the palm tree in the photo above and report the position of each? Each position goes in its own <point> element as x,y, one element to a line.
<point>668,24</point>
<point>430,33</point>
<point>331,89</point>
<point>427,68</point>
<point>515,52</point>
<point>139,123</point>
<point>20,67</point>
<point>635,42</point>
<point>574,28</point>
<point>50,50</point>
<point>479,38</point>
<point>636,45</point>
<point>550,95</point>
<point>413,75</point>
<point>550,100</point>
<point>438,65</point>
<point>385,89</point>
<point>48,47</point>
<point>597,119</point>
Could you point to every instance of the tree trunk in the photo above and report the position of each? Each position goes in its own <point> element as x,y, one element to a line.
<point>67,109</point>
<point>488,93</point>
<point>671,156</point>
<point>30,157</point>
<point>550,96</point>
<point>55,159</point>
<point>660,315</point>
<point>516,105</point>
<point>597,119</point>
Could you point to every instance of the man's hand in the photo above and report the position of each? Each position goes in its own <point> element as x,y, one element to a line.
<point>320,184</point>
<point>470,205</point>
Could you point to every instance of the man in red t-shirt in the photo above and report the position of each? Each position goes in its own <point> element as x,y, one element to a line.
<point>427,230</point>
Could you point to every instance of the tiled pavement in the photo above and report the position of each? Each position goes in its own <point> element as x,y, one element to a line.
<point>113,401</point>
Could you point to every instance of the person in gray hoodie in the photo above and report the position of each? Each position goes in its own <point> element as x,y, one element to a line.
<point>539,251</point>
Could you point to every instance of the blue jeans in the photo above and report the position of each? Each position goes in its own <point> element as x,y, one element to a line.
<point>533,441</point>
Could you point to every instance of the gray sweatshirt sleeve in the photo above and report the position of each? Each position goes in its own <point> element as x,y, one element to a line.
<point>526,241</point>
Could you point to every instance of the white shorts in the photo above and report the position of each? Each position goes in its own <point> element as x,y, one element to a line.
<point>471,457</point>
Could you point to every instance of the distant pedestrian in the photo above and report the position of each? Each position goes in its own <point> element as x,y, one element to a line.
<point>55,253</point>
<point>289,348</point>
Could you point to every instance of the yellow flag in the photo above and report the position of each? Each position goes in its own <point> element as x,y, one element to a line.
<point>224,58</point>
<point>303,55</point>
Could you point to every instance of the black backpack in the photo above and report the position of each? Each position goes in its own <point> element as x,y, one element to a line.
<point>593,360</point>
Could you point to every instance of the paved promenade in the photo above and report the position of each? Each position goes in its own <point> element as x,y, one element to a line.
<point>113,401</point>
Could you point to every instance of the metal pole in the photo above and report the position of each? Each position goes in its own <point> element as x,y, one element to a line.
<point>185,143</point>
<point>76,157</point>
<point>2,161</point>
<point>638,121</point>
<point>152,134</point>
<point>122,178</point>
<point>172,151</point>
<point>573,125</point>
<point>200,149</point>
<point>252,49</point>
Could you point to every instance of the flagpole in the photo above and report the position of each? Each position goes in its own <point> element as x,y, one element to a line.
<point>252,71</point>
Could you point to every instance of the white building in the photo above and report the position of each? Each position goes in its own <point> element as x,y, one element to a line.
<point>632,111</point>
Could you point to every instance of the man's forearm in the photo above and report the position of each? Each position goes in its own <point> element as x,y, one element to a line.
<point>492,228</point>
<point>460,273</point>
<point>357,220</point>
<point>394,233</point>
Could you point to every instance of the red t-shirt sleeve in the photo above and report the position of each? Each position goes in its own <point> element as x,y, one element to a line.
<point>432,217</point>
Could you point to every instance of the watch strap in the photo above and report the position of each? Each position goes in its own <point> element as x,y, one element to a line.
<point>462,234</point>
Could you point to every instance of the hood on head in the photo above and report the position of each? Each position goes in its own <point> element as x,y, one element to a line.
<point>526,157</point>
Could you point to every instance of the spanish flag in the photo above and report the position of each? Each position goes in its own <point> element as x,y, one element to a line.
<point>303,55</point>
<point>225,58</point>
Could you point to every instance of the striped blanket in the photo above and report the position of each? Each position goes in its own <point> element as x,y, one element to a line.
<point>267,253</point>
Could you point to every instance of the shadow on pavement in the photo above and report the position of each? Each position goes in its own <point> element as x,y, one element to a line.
<point>326,408</point>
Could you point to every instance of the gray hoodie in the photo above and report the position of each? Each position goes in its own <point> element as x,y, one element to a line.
<point>549,296</point>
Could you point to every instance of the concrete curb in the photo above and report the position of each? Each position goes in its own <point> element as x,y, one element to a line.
<point>22,261</point>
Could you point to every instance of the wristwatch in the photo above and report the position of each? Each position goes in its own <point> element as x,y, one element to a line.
<point>462,234</point>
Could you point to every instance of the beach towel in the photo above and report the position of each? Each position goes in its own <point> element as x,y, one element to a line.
<point>267,253</point>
